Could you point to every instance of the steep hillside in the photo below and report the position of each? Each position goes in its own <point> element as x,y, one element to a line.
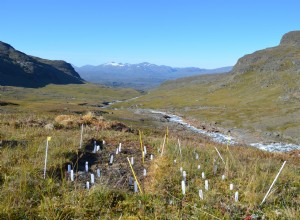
<point>19,69</point>
<point>258,99</point>
<point>139,76</point>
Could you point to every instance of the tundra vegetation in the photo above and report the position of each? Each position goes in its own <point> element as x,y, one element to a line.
<point>220,181</point>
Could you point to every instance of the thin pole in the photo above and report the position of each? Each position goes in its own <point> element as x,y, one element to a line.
<point>220,155</point>
<point>81,136</point>
<point>179,145</point>
<point>141,145</point>
<point>162,150</point>
<point>46,156</point>
<point>273,183</point>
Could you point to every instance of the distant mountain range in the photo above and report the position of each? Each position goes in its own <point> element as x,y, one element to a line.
<point>20,69</point>
<point>139,76</point>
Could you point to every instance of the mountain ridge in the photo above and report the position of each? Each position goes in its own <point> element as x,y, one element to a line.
<point>20,69</point>
<point>139,76</point>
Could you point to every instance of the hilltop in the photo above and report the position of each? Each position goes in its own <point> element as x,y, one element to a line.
<point>284,57</point>
<point>20,69</point>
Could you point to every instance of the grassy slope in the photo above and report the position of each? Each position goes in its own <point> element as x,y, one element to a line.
<point>25,195</point>
<point>252,101</point>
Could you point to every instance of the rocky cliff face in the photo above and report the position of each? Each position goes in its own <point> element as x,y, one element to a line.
<point>19,69</point>
<point>285,57</point>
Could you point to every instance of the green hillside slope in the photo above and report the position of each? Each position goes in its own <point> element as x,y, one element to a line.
<point>260,96</point>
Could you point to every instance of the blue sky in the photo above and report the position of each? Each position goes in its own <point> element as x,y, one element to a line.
<point>207,34</point>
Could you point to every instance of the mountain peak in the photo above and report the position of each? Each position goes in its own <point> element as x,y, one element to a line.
<point>291,38</point>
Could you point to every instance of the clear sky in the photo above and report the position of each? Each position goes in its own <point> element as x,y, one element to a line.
<point>200,33</point>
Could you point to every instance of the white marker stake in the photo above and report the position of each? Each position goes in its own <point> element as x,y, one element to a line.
<point>72,175</point>
<point>120,147</point>
<point>151,157</point>
<point>199,167</point>
<point>206,184</point>
<point>203,175</point>
<point>197,156</point>
<point>132,161</point>
<point>135,187</point>
<point>69,168</point>
<point>145,172</point>
<point>81,135</point>
<point>111,160</point>
<point>181,169</point>
<point>236,196</point>
<point>86,166</point>
<point>46,156</point>
<point>220,155</point>
<point>223,177</point>
<point>95,148</point>
<point>183,187</point>
<point>184,175</point>
<point>117,151</point>
<point>215,169</point>
<point>201,194</point>
<point>98,147</point>
<point>230,186</point>
<point>87,185</point>
<point>174,161</point>
<point>273,183</point>
<point>92,178</point>
<point>98,172</point>
<point>145,150</point>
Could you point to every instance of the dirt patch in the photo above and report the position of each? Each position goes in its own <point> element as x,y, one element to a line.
<point>116,175</point>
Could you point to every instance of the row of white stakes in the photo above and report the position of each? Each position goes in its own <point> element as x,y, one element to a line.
<point>183,185</point>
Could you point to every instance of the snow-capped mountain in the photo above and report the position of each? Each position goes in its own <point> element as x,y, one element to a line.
<point>139,76</point>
